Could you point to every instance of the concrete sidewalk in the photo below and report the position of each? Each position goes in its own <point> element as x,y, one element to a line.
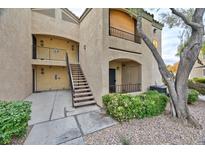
<point>55,121</point>
<point>49,105</point>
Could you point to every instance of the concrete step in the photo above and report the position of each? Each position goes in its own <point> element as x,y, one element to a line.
<point>79,81</point>
<point>78,76</point>
<point>83,98</point>
<point>82,90</point>
<point>79,84</point>
<point>76,71</point>
<point>84,103</point>
<point>81,87</point>
<point>82,94</point>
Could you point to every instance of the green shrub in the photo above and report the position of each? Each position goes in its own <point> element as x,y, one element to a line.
<point>123,107</point>
<point>14,118</point>
<point>200,87</point>
<point>192,96</point>
<point>199,80</point>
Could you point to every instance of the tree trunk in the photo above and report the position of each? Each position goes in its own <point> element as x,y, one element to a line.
<point>177,86</point>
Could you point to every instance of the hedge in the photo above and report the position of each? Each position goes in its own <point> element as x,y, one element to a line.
<point>199,80</point>
<point>14,118</point>
<point>200,87</point>
<point>123,107</point>
<point>192,96</point>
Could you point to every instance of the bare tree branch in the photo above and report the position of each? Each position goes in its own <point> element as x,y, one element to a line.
<point>162,67</point>
<point>193,25</point>
<point>199,61</point>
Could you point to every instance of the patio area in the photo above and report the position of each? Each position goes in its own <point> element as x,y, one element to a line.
<point>55,121</point>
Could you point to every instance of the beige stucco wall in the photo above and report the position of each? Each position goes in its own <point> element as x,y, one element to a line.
<point>51,78</point>
<point>42,24</point>
<point>95,54</point>
<point>51,44</point>
<point>198,72</point>
<point>150,73</point>
<point>94,35</point>
<point>92,58</point>
<point>15,54</point>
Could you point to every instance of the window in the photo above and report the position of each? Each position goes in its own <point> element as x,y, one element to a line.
<point>122,25</point>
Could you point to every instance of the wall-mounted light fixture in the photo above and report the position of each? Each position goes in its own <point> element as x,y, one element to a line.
<point>154,30</point>
<point>84,47</point>
<point>42,70</point>
<point>41,43</point>
<point>72,47</point>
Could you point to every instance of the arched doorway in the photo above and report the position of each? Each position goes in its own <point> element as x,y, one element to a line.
<point>124,76</point>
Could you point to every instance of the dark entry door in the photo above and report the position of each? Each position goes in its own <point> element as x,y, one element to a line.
<point>112,80</point>
<point>34,46</point>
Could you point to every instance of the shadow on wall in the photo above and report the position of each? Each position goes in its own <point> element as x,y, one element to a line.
<point>1,11</point>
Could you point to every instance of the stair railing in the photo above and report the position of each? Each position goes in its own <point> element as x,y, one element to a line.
<point>70,77</point>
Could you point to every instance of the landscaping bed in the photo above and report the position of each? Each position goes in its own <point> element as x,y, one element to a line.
<point>156,127</point>
<point>160,129</point>
<point>124,107</point>
<point>14,117</point>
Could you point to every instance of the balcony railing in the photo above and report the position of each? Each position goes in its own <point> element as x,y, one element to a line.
<point>125,88</point>
<point>45,53</point>
<point>124,35</point>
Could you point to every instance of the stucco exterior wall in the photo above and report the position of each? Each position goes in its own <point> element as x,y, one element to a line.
<point>51,78</point>
<point>15,54</point>
<point>42,24</point>
<point>95,53</point>
<point>198,70</point>
<point>55,48</point>
<point>150,73</point>
<point>91,51</point>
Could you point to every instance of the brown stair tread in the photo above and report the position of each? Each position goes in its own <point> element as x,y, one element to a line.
<point>81,90</point>
<point>84,103</point>
<point>83,98</point>
<point>82,94</point>
<point>78,75</point>
<point>79,81</point>
<point>84,86</point>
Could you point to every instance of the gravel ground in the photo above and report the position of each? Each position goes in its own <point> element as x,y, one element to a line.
<point>157,130</point>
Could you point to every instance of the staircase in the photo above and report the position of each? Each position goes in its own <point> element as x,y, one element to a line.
<point>81,92</point>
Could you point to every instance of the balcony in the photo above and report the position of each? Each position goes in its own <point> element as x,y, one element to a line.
<point>124,35</point>
<point>49,56</point>
<point>125,88</point>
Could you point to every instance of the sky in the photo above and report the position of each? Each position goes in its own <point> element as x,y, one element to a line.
<point>170,40</point>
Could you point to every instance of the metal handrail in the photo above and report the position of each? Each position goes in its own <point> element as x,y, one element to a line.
<point>124,35</point>
<point>70,77</point>
<point>124,88</point>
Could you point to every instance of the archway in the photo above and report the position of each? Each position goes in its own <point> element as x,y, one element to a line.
<point>125,76</point>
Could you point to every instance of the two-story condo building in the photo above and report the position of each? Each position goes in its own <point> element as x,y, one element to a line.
<point>98,53</point>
